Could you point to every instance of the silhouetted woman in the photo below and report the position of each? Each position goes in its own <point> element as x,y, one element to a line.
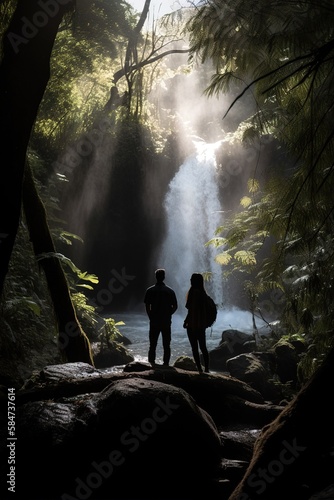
<point>195,322</point>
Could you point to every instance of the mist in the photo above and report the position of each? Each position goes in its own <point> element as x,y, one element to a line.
<point>138,206</point>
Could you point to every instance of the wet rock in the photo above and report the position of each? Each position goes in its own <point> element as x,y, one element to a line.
<point>238,443</point>
<point>137,366</point>
<point>232,471</point>
<point>59,373</point>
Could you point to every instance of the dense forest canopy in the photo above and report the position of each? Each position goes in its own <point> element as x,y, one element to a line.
<point>100,96</point>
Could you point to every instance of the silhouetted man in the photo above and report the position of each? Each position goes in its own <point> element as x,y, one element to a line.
<point>161,304</point>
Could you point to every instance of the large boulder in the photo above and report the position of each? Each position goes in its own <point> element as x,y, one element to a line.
<point>233,342</point>
<point>225,398</point>
<point>185,363</point>
<point>113,355</point>
<point>136,439</point>
<point>255,370</point>
<point>287,358</point>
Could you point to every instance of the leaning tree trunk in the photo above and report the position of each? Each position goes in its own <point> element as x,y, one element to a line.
<point>24,74</point>
<point>294,456</point>
<point>73,341</point>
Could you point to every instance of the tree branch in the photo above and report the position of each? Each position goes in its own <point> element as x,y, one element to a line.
<point>122,72</point>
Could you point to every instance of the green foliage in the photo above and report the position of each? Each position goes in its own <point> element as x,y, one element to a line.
<point>28,333</point>
<point>88,52</point>
<point>77,275</point>
<point>109,334</point>
<point>284,52</point>
<point>6,11</point>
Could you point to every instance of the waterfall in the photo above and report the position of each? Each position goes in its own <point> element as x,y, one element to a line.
<point>193,213</point>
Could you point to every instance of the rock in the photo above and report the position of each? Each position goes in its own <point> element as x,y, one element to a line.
<point>234,337</point>
<point>325,494</point>
<point>136,439</point>
<point>52,374</point>
<point>116,355</point>
<point>233,343</point>
<point>137,366</point>
<point>232,471</point>
<point>95,434</point>
<point>250,369</point>
<point>226,399</point>
<point>295,452</point>
<point>185,363</point>
<point>286,361</point>
<point>238,443</point>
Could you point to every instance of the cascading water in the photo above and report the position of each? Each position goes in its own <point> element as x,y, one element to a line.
<point>193,213</point>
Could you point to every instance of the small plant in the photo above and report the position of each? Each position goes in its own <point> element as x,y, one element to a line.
<point>109,333</point>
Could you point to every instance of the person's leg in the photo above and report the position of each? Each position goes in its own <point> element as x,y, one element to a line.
<point>194,347</point>
<point>204,350</point>
<point>166,340</point>
<point>153,338</point>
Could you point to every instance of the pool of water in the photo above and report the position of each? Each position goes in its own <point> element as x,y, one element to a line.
<point>137,325</point>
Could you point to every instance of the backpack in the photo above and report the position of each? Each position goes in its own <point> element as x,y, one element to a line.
<point>211,311</point>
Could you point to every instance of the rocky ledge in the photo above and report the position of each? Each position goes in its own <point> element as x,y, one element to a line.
<point>137,434</point>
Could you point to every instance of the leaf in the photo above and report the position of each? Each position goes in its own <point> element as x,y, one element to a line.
<point>61,257</point>
<point>88,277</point>
<point>88,287</point>
<point>301,280</point>
<point>245,257</point>
<point>246,201</point>
<point>83,275</point>
<point>216,242</point>
<point>223,258</point>
<point>33,306</point>
<point>250,135</point>
<point>65,236</point>
<point>253,185</point>
<point>290,272</point>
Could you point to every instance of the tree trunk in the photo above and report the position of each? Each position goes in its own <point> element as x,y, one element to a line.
<point>72,339</point>
<point>294,455</point>
<point>24,74</point>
